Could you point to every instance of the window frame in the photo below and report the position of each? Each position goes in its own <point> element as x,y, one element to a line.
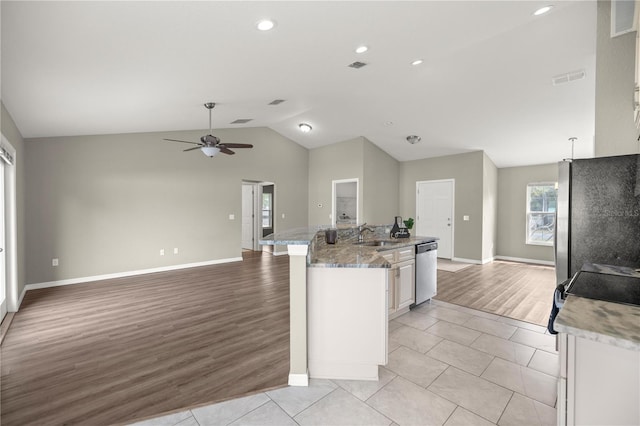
<point>528,213</point>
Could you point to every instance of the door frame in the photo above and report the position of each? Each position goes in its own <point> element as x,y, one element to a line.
<point>257,210</point>
<point>333,199</point>
<point>453,207</point>
<point>11,230</point>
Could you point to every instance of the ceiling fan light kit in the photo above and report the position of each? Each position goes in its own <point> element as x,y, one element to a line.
<point>210,151</point>
<point>210,145</point>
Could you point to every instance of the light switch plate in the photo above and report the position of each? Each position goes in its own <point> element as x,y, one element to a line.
<point>465,217</point>
<point>232,217</point>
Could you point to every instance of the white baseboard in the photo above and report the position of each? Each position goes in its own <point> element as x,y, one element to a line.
<point>280,253</point>
<point>523,260</point>
<point>124,274</point>
<point>24,291</point>
<point>460,259</point>
<point>299,379</point>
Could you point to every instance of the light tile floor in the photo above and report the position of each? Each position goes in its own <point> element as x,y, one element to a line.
<point>448,365</point>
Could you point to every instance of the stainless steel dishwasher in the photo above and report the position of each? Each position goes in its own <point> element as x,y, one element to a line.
<point>426,271</point>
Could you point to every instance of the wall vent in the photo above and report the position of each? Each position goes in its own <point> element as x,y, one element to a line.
<point>568,77</point>
<point>276,102</point>
<point>357,65</point>
<point>241,120</point>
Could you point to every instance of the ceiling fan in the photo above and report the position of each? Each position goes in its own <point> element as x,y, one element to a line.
<point>210,145</point>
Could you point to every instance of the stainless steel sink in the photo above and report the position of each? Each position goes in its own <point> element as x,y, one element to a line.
<point>375,243</point>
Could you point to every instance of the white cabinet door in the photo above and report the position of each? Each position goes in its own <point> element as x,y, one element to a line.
<point>392,290</point>
<point>405,284</point>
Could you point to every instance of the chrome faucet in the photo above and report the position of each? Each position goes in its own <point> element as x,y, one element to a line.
<point>361,229</point>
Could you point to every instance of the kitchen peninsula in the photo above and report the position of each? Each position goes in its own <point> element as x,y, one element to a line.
<point>341,296</point>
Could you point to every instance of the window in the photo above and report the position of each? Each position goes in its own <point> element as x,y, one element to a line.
<point>267,210</point>
<point>542,199</point>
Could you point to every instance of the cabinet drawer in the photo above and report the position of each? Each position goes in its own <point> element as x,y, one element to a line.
<point>389,256</point>
<point>405,254</point>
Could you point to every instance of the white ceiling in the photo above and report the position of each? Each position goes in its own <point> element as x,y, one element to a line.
<point>78,68</point>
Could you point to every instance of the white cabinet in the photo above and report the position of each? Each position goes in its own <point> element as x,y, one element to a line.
<point>405,284</point>
<point>402,280</point>
<point>347,322</point>
<point>599,383</point>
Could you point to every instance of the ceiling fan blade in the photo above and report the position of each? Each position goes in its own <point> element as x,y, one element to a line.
<point>238,145</point>
<point>176,140</point>
<point>223,148</point>
<point>191,149</point>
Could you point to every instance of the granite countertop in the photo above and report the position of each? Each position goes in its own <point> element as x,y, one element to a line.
<point>343,254</point>
<point>612,323</point>
<point>346,254</point>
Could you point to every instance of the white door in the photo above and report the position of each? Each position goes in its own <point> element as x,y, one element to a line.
<point>434,213</point>
<point>247,216</point>
<point>3,245</point>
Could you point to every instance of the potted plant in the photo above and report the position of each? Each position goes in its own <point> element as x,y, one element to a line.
<point>409,223</point>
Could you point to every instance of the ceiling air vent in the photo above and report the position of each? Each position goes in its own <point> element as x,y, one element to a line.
<point>568,77</point>
<point>241,120</point>
<point>276,102</point>
<point>357,65</point>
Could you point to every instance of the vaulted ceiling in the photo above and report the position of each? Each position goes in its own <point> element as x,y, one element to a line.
<point>485,83</point>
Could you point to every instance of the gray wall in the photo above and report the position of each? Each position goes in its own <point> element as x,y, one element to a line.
<point>467,170</point>
<point>615,131</point>
<point>11,132</point>
<point>489,209</point>
<point>341,160</point>
<point>512,210</point>
<point>380,186</point>
<point>107,204</point>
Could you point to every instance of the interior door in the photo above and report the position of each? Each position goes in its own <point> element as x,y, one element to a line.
<point>247,216</point>
<point>3,245</point>
<point>434,213</point>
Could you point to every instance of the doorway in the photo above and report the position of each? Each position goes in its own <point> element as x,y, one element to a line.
<point>434,213</point>
<point>8,230</point>
<point>258,213</point>
<point>345,202</point>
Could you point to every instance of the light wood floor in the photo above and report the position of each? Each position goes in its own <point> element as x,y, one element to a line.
<point>119,350</point>
<point>515,290</point>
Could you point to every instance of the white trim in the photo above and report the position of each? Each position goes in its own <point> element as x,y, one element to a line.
<point>463,260</point>
<point>24,291</point>
<point>280,253</point>
<point>523,260</point>
<point>298,249</point>
<point>333,199</point>
<point>128,273</point>
<point>299,379</point>
<point>11,227</point>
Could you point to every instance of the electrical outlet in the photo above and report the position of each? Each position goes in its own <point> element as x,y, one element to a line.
<point>175,250</point>
<point>161,252</point>
<point>232,217</point>
<point>465,217</point>
<point>54,262</point>
<point>283,215</point>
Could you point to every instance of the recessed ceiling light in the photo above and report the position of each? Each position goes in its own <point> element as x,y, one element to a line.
<point>361,49</point>
<point>542,10</point>
<point>413,139</point>
<point>304,127</point>
<point>416,62</point>
<point>265,25</point>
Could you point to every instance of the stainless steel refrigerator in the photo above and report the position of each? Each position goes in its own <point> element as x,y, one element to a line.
<point>598,214</point>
